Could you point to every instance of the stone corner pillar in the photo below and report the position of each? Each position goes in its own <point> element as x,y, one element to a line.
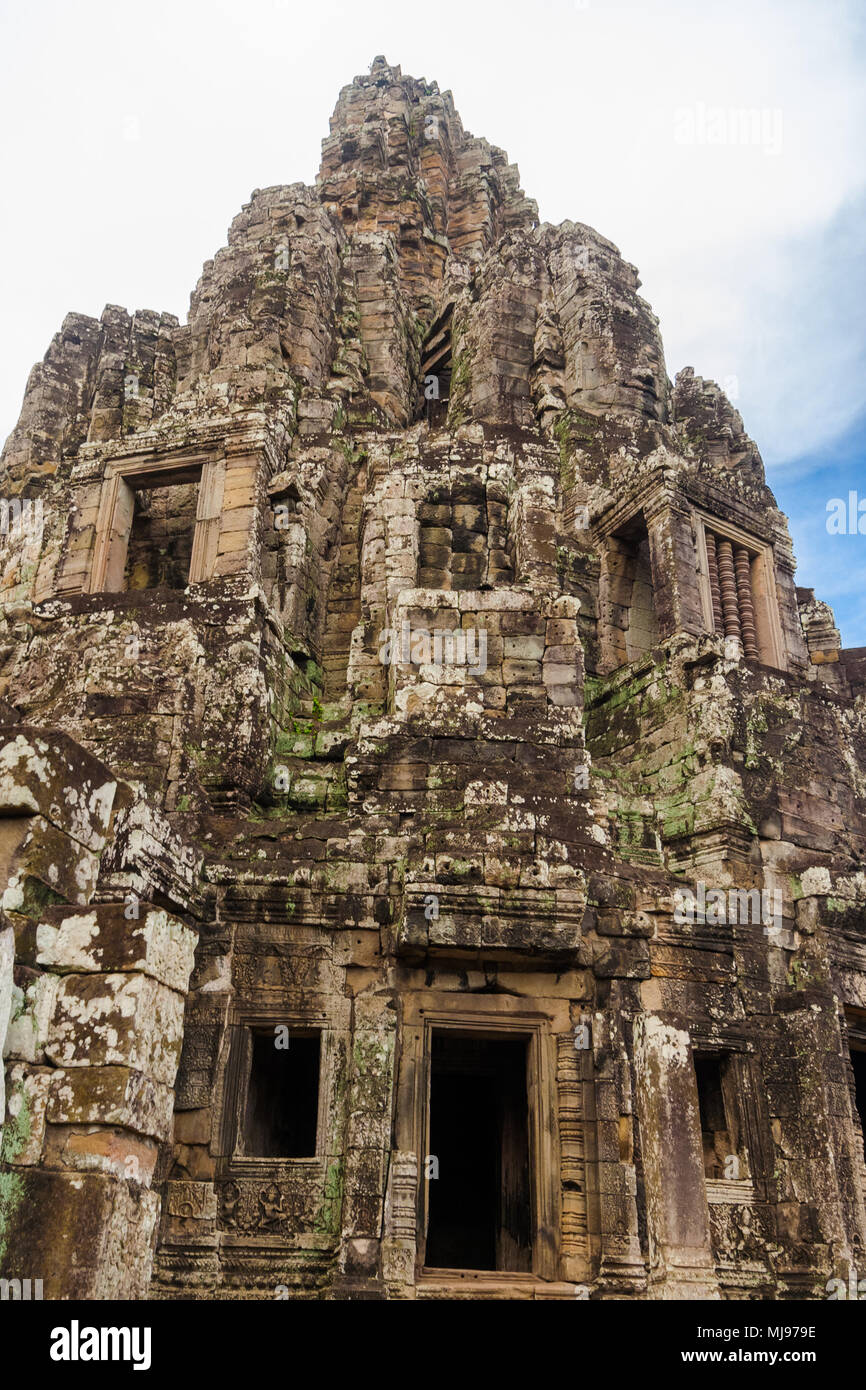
<point>678,1222</point>
<point>674,570</point>
<point>92,1060</point>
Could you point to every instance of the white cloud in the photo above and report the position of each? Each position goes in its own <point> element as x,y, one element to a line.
<point>750,258</point>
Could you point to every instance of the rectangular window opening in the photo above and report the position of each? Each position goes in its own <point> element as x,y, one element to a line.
<point>721,1138</point>
<point>480,1202</point>
<point>738,586</point>
<point>642,633</point>
<point>631,627</point>
<point>159,551</point>
<point>436,365</point>
<point>282,1108</point>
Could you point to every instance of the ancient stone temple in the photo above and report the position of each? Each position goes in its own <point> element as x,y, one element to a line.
<point>433,818</point>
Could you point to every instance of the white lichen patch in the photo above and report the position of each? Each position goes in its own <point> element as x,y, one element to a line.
<point>7,960</point>
<point>816,881</point>
<point>851,888</point>
<point>670,1044</point>
<point>88,811</point>
<point>28,1028</point>
<point>20,759</point>
<point>486,793</point>
<point>71,944</point>
<point>13,894</point>
<point>129,1020</point>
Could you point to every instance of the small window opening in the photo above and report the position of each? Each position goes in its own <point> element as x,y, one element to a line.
<point>159,552</point>
<point>436,369</point>
<point>631,622</point>
<point>723,1152</point>
<point>479,1165</point>
<point>643,631</point>
<point>282,1096</point>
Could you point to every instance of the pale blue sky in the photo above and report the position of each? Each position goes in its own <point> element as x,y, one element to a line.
<point>132,135</point>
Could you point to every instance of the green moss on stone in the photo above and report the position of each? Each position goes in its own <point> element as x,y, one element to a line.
<point>16,1133</point>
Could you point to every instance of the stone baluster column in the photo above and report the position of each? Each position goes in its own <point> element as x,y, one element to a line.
<point>728,585</point>
<point>743,566</point>
<point>715,589</point>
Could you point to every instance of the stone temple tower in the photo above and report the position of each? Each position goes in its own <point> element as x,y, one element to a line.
<point>433,819</point>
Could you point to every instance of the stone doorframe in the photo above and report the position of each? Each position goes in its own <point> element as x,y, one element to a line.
<point>117,500</point>
<point>243,1021</point>
<point>491,1018</point>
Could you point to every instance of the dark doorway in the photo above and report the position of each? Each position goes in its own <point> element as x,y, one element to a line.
<point>479,1183</point>
<point>283,1096</point>
<point>714,1124</point>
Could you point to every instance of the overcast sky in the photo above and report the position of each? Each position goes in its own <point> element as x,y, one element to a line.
<point>132,134</point>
